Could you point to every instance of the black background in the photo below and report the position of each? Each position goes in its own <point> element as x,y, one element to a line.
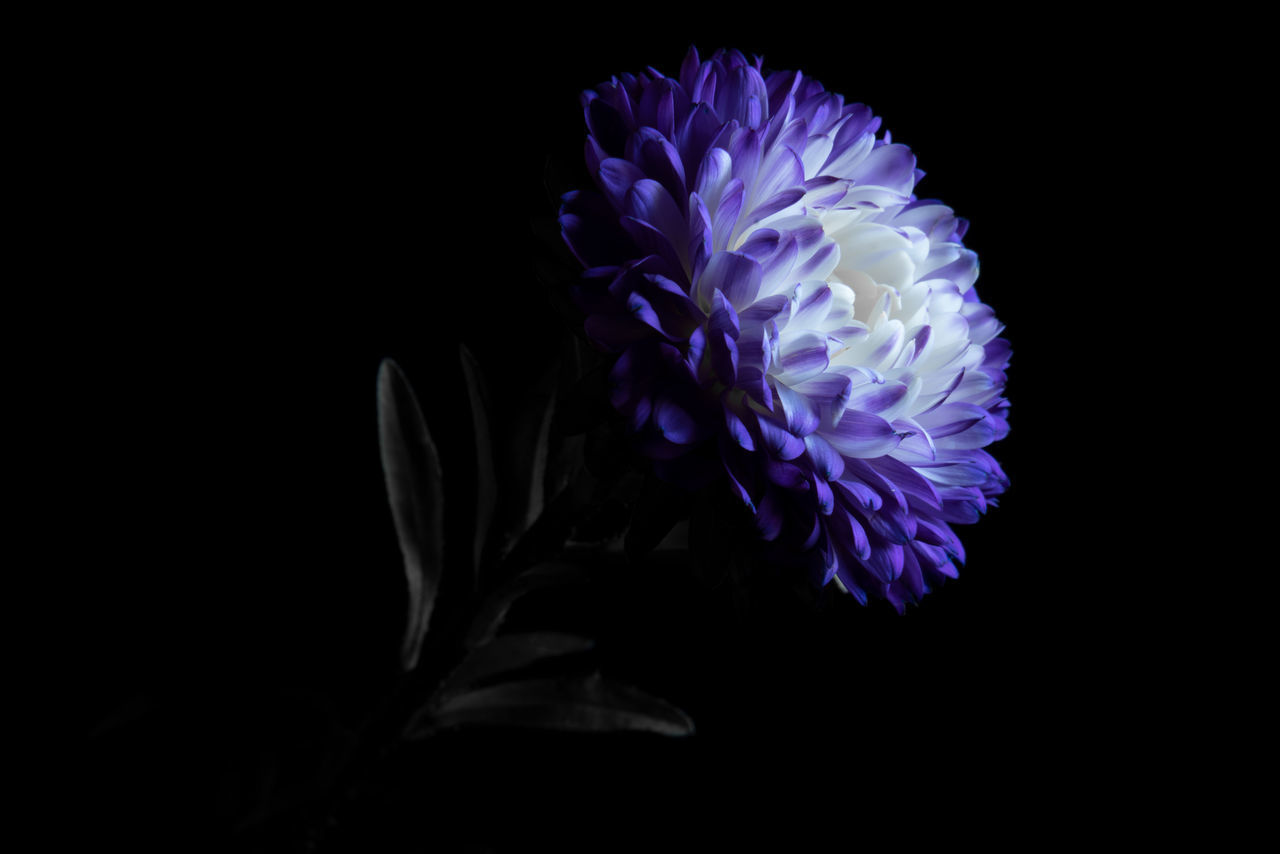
<point>279,205</point>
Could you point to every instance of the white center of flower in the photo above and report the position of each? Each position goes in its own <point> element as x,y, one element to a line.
<point>864,286</point>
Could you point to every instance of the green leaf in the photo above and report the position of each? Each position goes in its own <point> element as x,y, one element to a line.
<point>589,704</point>
<point>411,467</point>
<point>507,653</point>
<point>486,480</point>
<point>494,610</point>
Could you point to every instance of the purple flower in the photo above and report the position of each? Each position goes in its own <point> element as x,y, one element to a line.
<point>790,320</point>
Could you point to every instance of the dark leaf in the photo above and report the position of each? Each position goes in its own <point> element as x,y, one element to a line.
<point>576,705</point>
<point>557,180</point>
<point>710,539</point>
<point>510,652</point>
<point>587,402</point>
<point>608,452</point>
<point>565,455</point>
<point>411,467</point>
<point>527,465</point>
<point>658,509</point>
<point>494,610</point>
<point>486,482</point>
<point>564,464</point>
<point>550,245</point>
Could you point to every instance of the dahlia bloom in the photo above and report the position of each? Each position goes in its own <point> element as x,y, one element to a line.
<point>789,319</point>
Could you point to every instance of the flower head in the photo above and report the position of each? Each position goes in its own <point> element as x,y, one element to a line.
<point>790,319</point>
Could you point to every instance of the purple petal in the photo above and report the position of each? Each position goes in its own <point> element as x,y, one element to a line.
<point>800,411</point>
<point>778,264</point>
<point>815,531</point>
<point>755,347</point>
<point>589,230</point>
<point>995,354</point>
<point>762,244</point>
<point>755,383</point>
<point>724,356</point>
<point>727,210</point>
<point>812,301</point>
<point>804,356</point>
<point>963,271</point>
<point>978,435</point>
<point>696,134</point>
<point>786,475</point>
<point>738,431</point>
<point>951,419</point>
<point>983,325</point>
<point>659,159</point>
<point>912,577</point>
<point>689,69</point>
<point>956,474</point>
<point>781,443</point>
<point>831,392</point>
<point>875,398</point>
<point>820,262</point>
<point>763,310</point>
<point>849,579</point>
<point>744,148</point>
<point>607,125</point>
<point>615,178</point>
<point>699,236</point>
<point>640,412</point>
<point>936,534</point>
<point>714,172</point>
<point>616,332</point>
<point>743,97</point>
<point>697,346</point>
<point>864,471</point>
<point>594,154</point>
<point>781,171</point>
<point>895,527</point>
<point>657,105</point>
<point>723,317</point>
<point>654,242</point>
<point>849,533</point>
<point>773,204</point>
<point>733,273</point>
<point>769,517</point>
<point>822,493</point>
<point>960,512</point>
<point>917,444</point>
<point>862,435</point>
<point>649,201</point>
<point>855,493</point>
<point>826,460</point>
<point>885,562</point>
<point>641,309</point>
<point>737,488</point>
<point>830,562</point>
<point>675,424</point>
<point>891,166</point>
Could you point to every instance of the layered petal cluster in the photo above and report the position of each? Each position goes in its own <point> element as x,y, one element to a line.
<point>789,318</point>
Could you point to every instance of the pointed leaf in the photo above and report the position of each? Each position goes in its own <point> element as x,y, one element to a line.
<point>493,611</point>
<point>659,507</point>
<point>575,705</point>
<point>486,480</point>
<point>411,467</point>
<point>524,489</point>
<point>510,652</point>
<point>538,464</point>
